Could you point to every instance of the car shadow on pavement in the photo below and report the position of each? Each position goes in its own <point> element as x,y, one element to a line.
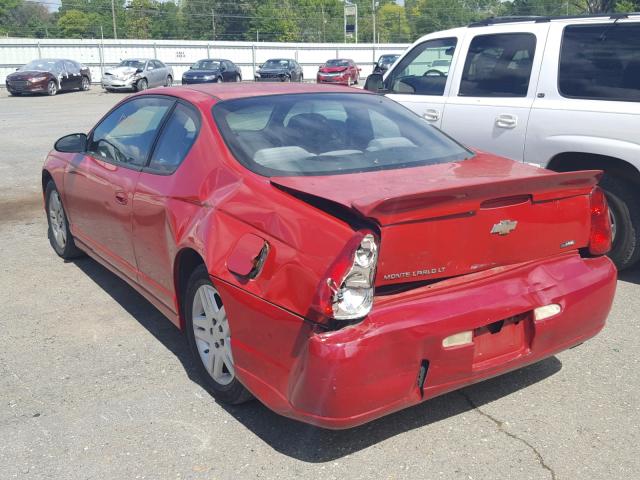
<point>305,442</point>
<point>631,275</point>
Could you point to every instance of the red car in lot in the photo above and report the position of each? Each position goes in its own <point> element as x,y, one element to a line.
<point>341,71</point>
<point>327,251</point>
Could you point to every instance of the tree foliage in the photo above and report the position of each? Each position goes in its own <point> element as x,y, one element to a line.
<point>271,20</point>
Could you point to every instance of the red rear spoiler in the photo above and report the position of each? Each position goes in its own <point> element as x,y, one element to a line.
<point>466,199</point>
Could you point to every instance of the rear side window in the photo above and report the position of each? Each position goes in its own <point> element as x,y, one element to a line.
<point>498,65</point>
<point>126,135</point>
<point>601,62</point>
<point>176,139</point>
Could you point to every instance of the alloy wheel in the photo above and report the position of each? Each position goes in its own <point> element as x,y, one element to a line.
<point>85,83</point>
<point>57,220</point>
<point>212,335</point>
<point>52,89</point>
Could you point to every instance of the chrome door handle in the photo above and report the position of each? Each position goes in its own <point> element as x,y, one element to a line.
<point>431,114</point>
<point>506,121</point>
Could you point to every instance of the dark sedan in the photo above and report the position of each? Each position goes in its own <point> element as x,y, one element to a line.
<point>279,70</point>
<point>212,70</point>
<point>384,62</point>
<point>49,76</point>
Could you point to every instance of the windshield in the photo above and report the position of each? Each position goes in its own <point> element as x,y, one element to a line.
<point>43,66</point>
<point>388,59</point>
<point>206,65</point>
<point>329,133</point>
<point>276,64</point>
<point>132,63</point>
<point>337,63</point>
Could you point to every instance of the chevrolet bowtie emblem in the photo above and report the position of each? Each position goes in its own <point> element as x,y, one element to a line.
<point>504,227</point>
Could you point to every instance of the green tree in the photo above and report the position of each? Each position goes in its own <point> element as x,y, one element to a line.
<point>139,19</point>
<point>276,21</point>
<point>392,24</point>
<point>74,24</point>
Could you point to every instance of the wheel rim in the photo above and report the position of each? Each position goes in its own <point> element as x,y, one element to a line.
<point>237,78</point>
<point>143,84</point>
<point>57,220</point>
<point>612,219</point>
<point>212,335</point>
<point>169,81</point>
<point>52,88</point>
<point>85,83</point>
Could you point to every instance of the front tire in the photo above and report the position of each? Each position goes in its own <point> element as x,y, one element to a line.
<point>142,85</point>
<point>168,82</point>
<point>624,204</point>
<point>58,232</point>
<point>209,338</point>
<point>86,85</point>
<point>52,88</point>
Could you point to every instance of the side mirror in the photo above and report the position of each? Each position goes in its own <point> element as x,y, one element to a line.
<point>261,65</point>
<point>139,70</point>
<point>74,143</point>
<point>191,67</point>
<point>374,83</point>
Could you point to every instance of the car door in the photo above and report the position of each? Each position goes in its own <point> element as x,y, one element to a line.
<point>152,74</point>
<point>73,76</point>
<point>159,187</point>
<point>494,89</point>
<point>99,184</point>
<point>414,84</point>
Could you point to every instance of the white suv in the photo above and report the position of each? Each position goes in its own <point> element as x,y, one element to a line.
<point>563,93</point>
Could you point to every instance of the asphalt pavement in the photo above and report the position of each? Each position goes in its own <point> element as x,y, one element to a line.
<point>96,384</point>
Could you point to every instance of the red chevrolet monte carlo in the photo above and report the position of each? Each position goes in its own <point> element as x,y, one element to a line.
<point>326,250</point>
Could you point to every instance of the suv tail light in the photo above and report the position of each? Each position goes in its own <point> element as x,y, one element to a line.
<point>346,291</point>
<point>600,237</point>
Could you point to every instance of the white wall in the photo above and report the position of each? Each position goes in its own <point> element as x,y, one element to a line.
<point>15,52</point>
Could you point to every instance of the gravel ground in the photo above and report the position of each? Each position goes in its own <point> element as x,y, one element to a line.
<point>96,384</point>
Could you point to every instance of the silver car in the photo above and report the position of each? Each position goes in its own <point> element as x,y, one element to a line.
<point>137,74</point>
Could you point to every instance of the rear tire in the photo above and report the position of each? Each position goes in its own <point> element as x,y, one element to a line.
<point>624,204</point>
<point>168,82</point>
<point>208,335</point>
<point>58,232</point>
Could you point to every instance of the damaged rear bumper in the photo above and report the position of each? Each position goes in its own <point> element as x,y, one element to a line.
<point>395,358</point>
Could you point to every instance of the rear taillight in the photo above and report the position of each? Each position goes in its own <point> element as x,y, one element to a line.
<point>600,238</point>
<point>346,291</point>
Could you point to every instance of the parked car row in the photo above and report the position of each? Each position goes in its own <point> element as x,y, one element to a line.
<point>49,76</point>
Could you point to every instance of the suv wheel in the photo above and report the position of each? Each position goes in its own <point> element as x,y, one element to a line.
<point>624,204</point>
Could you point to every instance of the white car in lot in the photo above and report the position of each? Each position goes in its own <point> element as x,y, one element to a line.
<point>562,93</point>
<point>137,74</point>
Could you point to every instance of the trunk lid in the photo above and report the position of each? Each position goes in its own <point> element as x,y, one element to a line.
<point>450,219</point>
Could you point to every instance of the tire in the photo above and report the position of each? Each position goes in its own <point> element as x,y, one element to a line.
<point>52,88</point>
<point>238,79</point>
<point>15,94</point>
<point>58,231</point>
<point>349,82</point>
<point>142,85</point>
<point>86,85</point>
<point>169,81</point>
<point>301,79</point>
<point>285,78</point>
<point>208,331</point>
<point>624,204</point>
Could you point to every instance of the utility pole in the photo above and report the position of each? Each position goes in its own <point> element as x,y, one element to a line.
<point>323,21</point>
<point>113,15</point>
<point>373,18</point>
<point>213,22</point>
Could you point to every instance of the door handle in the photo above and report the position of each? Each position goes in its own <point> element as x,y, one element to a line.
<point>121,197</point>
<point>431,114</point>
<point>506,121</point>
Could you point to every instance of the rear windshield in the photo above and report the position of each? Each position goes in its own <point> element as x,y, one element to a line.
<point>329,133</point>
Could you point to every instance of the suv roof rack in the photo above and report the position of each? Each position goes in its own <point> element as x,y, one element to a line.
<point>543,18</point>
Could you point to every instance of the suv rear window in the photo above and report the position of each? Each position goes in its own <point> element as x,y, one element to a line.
<point>328,134</point>
<point>601,62</point>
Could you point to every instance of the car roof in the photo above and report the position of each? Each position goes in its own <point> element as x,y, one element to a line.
<point>230,91</point>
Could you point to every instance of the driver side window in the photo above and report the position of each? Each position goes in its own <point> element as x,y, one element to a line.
<point>425,69</point>
<point>127,134</point>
